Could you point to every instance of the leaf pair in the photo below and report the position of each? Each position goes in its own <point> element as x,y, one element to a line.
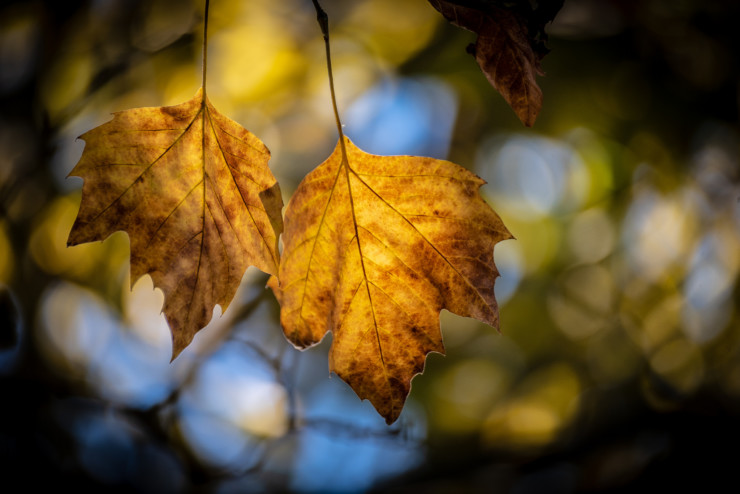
<point>374,246</point>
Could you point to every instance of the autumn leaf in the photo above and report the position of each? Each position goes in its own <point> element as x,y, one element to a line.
<point>193,191</point>
<point>507,49</point>
<point>374,248</point>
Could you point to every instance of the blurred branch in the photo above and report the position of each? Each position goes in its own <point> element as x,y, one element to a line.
<point>244,313</point>
<point>338,428</point>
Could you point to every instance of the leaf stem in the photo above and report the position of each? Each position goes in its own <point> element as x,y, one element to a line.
<point>205,45</point>
<point>323,21</point>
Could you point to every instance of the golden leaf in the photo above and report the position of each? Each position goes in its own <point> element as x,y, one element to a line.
<point>193,191</point>
<point>374,248</point>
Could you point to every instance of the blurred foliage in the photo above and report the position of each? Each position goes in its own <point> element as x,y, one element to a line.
<point>618,366</point>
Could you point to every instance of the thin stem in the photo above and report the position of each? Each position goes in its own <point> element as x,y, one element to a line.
<point>205,45</point>
<point>324,24</point>
<point>323,20</point>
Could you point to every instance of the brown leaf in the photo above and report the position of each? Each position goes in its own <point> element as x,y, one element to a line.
<point>193,191</point>
<point>374,248</point>
<point>503,52</point>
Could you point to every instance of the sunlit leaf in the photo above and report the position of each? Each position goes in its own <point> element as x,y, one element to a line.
<point>193,191</point>
<point>374,248</point>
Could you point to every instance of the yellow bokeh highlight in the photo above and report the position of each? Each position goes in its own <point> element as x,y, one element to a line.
<point>466,392</point>
<point>48,244</point>
<point>674,356</point>
<point>173,80</point>
<point>680,365</point>
<point>583,303</point>
<point>66,82</point>
<point>728,234</point>
<point>254,60</point>
<point>393,30</point>
<point>591,235</point>
<point>457,330</point>
<point>673,230</point>
<point>543,405</point>
<point>180,86</point>
<point>7,259</point>
<point>598,161</point>
<point>539,241</point>
<point>660,323</point>
<point>662,231</point>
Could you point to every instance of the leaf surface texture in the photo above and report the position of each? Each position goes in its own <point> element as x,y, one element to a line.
<point>193,191</point>
<point>374,248</point>
<point>503,51</point>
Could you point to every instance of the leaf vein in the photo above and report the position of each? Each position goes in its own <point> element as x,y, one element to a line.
<point>246,206</point>
<point>148,167</point>
<point>465,280</point>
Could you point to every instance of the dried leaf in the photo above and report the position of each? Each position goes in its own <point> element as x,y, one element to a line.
<point>503,51</point>
<point>374,248</point>
<point>193,191</point>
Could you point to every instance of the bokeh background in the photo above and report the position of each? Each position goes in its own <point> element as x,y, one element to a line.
<point>618,365</point>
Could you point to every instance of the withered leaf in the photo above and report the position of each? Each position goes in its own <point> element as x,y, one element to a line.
<point>193,191</point>
<point>374,248</point>
<point>507,50</point>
